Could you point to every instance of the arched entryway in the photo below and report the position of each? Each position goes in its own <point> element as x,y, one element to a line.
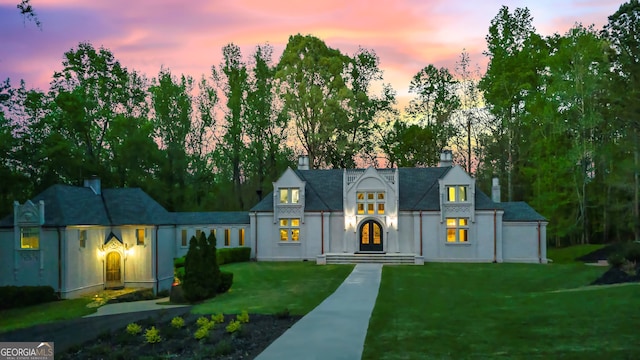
<point>371,236</point>
<point>114,273</point>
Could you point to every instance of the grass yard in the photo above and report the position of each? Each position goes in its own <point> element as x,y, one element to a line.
<point>272,287</point>
<point>569,254</point>
<point>13,319</point>
<point>522,311</point>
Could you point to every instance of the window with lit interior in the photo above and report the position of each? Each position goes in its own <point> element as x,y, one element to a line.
<point>289,195</point>
<point>240,237</point>
<point>227,237</point>
<point>457,193</point>
<point>290,230</point>
<point>30,238</point>
<point>457,230</point>
<point>370,202</point>
<point>140,235</point>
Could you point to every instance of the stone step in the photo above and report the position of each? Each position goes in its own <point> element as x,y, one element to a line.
<point>407,259</point>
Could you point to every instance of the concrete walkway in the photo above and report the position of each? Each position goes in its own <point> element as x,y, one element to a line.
<point>337,328</point>
<point>133,306</point>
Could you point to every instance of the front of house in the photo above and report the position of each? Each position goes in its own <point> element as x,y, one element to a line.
<point>82,239</point>
<point>421,214</point>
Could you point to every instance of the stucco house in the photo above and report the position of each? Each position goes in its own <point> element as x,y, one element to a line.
<point>83,239</point>
<point>406,215</point>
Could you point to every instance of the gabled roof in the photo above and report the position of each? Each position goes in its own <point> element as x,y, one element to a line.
<point>418,187</point>
<point>71,205</point>
<point>323,191</point>
<point>520,211</point>
<point>216,217</point>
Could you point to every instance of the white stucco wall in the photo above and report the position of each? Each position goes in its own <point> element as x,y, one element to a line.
<point>83,268</point>
<point>521,242</point>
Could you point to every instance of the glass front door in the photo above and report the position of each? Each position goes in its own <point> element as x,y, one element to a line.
<point>371,236</point>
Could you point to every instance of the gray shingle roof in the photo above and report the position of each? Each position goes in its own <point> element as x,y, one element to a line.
<point>418,190</point>
<point>520,211</point>
<point>216,217</point>
<point>71,205</point>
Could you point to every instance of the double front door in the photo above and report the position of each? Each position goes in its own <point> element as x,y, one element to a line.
<point>371,236</point>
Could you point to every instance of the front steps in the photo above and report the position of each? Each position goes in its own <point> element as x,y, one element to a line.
<point>371,258</point>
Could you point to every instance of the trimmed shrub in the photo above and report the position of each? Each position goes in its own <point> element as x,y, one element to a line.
<point>152,335</point>
<point>616,260</point>
<point>226,280</point>
<point>234,326</point>
<point>202,274</point>
<point>177,322</point>
<point>133,329</point>
<point>217,318</point>
<point>243,317</point>
<point>20,296</point>
<point>233,255</point>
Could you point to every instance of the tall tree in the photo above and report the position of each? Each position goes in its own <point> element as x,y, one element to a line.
<point>511,76</point>
<point>231,152</point>
<point>435,103</point>
<point>265,129</point>
<point>356,140</point>
<point>471,115</point>
<point>89,93</point>
<point>623,32</point>
<point>314,94</point>
<point>172,105</point>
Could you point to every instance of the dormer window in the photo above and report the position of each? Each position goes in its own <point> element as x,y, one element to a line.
<point>457,193</point>
<point>289,195</point>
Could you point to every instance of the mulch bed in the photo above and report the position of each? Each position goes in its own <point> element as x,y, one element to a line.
<point>249,342</point>
<point>614,275</point>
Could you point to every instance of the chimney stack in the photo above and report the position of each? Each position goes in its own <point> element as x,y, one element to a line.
<point>446,158</point>
<point>93,183</point>
<point>303,162</point>
<point>495,190</point>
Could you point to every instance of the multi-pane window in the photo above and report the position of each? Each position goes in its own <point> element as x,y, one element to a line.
<point>198,233</point>
<point>289,229</point>
<point>240,237</point>
<point>184,238</point>
<point>457,230</point>
<point>29,238</point>
<point>213,231</point>
<point>289,195</point>
<point>370,203</point>
<point>140,235</point>
<point>82,238</point>
<point>457,193</point>
<point>227,237</point>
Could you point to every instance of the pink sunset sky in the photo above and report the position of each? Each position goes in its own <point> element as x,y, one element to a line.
<point>187,36</point>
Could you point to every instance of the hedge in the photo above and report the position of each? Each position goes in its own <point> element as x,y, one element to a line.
<point>233,255</point>
<point>21,296</point>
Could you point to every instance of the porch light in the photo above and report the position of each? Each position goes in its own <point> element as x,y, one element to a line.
<point>127,250</point>
<point>392,222</point>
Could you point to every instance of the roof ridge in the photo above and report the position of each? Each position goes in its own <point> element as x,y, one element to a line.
<point>415,204</point>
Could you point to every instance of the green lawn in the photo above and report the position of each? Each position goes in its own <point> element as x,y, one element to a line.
<point>568,255</point>
<point>12,319</point>
<point>481,311</point>
<point>271,287</point>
